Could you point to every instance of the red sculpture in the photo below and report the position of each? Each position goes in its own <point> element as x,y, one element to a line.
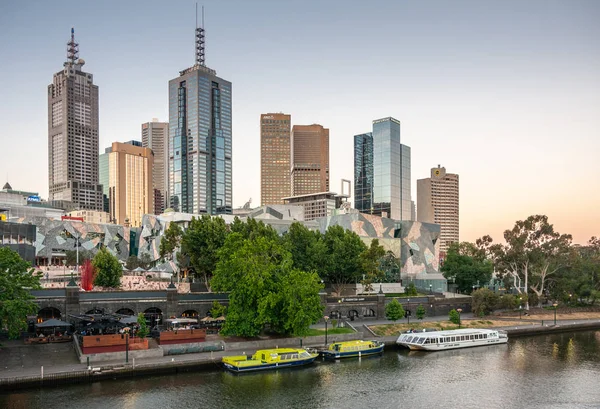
<point>87,275</point>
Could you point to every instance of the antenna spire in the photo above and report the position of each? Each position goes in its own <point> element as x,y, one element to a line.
<point>200,59</point>
<point>72,48</point>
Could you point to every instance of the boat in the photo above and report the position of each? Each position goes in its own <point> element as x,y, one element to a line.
<point>350,349</point>
<point>451,339</point>
<point>276,358</point>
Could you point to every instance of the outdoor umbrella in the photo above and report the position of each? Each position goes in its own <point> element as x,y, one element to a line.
<point>132,319</point>
<point>52,323</point>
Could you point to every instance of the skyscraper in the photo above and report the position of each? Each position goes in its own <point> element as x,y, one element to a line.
<point>73,134</point>
<point>155,135</point>
<point>382,171</point>
<point>130,182</point>
<point>274,158</point>
<point>438,202</point>
<point>310,159</point>
<point>199,152</point>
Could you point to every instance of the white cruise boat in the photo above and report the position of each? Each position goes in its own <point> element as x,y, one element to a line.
<point>451,339</point>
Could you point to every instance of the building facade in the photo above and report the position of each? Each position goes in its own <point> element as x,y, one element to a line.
<point>438,202</point>
<point>316,205</point>
<point>155,135</point>
<point>73,134</point>
<point>91,216</point>
<point>200,139</point>
<point>275,151</point>
<point>130,183</point>
<point>310,159</point>
<point>382,172</point>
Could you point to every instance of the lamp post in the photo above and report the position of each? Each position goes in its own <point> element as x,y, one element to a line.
<point>126,347</point>
<point>555,305</point>
<point>570,295</point>
<point>520,306</point>
<point>408,310</point>
<point>326,318</point>
<point>459,310</point>
<point>430,292</point>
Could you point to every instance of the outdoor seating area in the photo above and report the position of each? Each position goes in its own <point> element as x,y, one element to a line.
<point>128,282</point>
<point>51,331</point>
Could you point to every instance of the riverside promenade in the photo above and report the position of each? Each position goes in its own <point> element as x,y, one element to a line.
<point>50,364</point>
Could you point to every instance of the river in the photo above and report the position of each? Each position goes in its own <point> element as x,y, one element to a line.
<point>549,371</point>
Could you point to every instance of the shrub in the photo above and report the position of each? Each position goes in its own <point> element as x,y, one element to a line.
<point>454,317</point>
<point>484,301</point>
<point>394,310</point>
<point>410,289</point>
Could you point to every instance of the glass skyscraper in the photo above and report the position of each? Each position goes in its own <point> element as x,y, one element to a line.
<point>382,171</point>
<point>199,152</point>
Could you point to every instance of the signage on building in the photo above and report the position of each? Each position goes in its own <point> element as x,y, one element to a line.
<point>34,199</point>
<point>268,117</point>
<point>352,299</point>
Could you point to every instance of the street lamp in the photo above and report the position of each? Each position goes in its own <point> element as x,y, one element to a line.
<point>520,306</point>
<point>430,285</point>
<point>326,318</point>
<point>408,310</point>
<point>570,295</point>
<point>459,310</point>
<point>555,305</point>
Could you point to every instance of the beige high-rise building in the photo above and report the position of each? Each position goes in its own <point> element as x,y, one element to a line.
<point>437,202</point>
<point>130,183</point>
<point>275,179</point>
<point>155,135</point>
<point>310,159</point>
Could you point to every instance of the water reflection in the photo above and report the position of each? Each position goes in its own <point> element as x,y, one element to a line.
<point>538,372</point>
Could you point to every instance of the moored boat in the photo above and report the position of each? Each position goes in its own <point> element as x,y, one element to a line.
<point>350,349</point>
<point>451,339</point>
<point>275,358</point>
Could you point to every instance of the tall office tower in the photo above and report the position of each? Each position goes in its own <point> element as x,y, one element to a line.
<point>73,134</point>
<point>274,158</point>
<point>382,172</point>
<point>155,135</point>
<point>103,178</point>
<point>437,202</point>
<point>130,182</point>
<point>310,159</point>
<point>199,152</point>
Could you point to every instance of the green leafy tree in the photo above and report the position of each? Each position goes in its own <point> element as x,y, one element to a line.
<point>16,279</point>
<point>253,228</point>
<point>394,310</point>
<point>143,330</point>
<point>264,288</point>
<point>217,310</point>
<point>343,264</point>
<point>370,260</point>
<point>484,301</point>
<point>108,269</point>
<point>201,242</point>
<point>454,317</point>
<point>306,247</point>
<point>410,289</point>
<point>170,241</point>
<point>420,312</point>
<point>390,265</point>
<point>467,266</point>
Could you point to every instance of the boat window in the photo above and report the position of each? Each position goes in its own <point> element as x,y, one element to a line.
<point>304,354</point>
<point>484,336</point>
<point>409,339</point>
<point>263,357</point>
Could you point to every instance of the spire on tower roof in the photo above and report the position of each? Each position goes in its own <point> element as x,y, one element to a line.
<point>72,48</point>
<point>200,60</point>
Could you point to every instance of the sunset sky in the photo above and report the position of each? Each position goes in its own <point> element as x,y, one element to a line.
<point>504,93</point>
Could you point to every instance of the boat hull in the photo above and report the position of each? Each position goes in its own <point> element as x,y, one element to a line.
<point>451,339</point>
<point>352,354</point>
<point>269,366</point>
<point>455,345</point>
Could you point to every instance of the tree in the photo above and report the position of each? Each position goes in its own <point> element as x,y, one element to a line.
<point>410,289</point>
<point>390,265</point>
<point>16,279</point>
<point>264,288</point>
<point>420,312</point>
<point>454,317</point>
<point>217,310</point>
<point>343,263</point>
<point>370,261</point>
<point>394,310</point>
<point>108,269</point>
<point>171,241</point>
<point>143,331</point>
<point>467,266</point>
<point>306,247</point>
<point>201,242</point>
<point>484,301</point>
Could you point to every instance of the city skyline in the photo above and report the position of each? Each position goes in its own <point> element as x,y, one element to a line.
<point>506,95</point>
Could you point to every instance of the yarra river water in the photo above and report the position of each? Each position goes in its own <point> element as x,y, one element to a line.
<point>549,371</point>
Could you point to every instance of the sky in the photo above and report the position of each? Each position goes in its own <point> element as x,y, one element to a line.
<point>504,93</point>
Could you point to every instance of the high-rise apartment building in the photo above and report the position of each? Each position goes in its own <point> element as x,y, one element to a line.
<point>155,135</point>
<point>382,172</point>
<point>310,159</point>
<point>438,202</point>
<point>199,152</point>
<point>130,183</point>
<point>73,134</point>
<point>275,179</point>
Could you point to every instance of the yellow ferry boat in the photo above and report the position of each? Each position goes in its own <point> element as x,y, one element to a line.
<point>270,359</point>
<point>349,349</point>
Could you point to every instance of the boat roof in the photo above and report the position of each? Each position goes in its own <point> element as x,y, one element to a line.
<point>354,341</point>
<point>450,332</point>
<point>280,350</point>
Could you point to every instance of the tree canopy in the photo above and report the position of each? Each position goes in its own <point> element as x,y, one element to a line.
<point>394,310</point>
<point>343,263</point>
<point>108,269</point>
<point>371,265</point>
<point>16,279</point>
<point>467,266</point>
